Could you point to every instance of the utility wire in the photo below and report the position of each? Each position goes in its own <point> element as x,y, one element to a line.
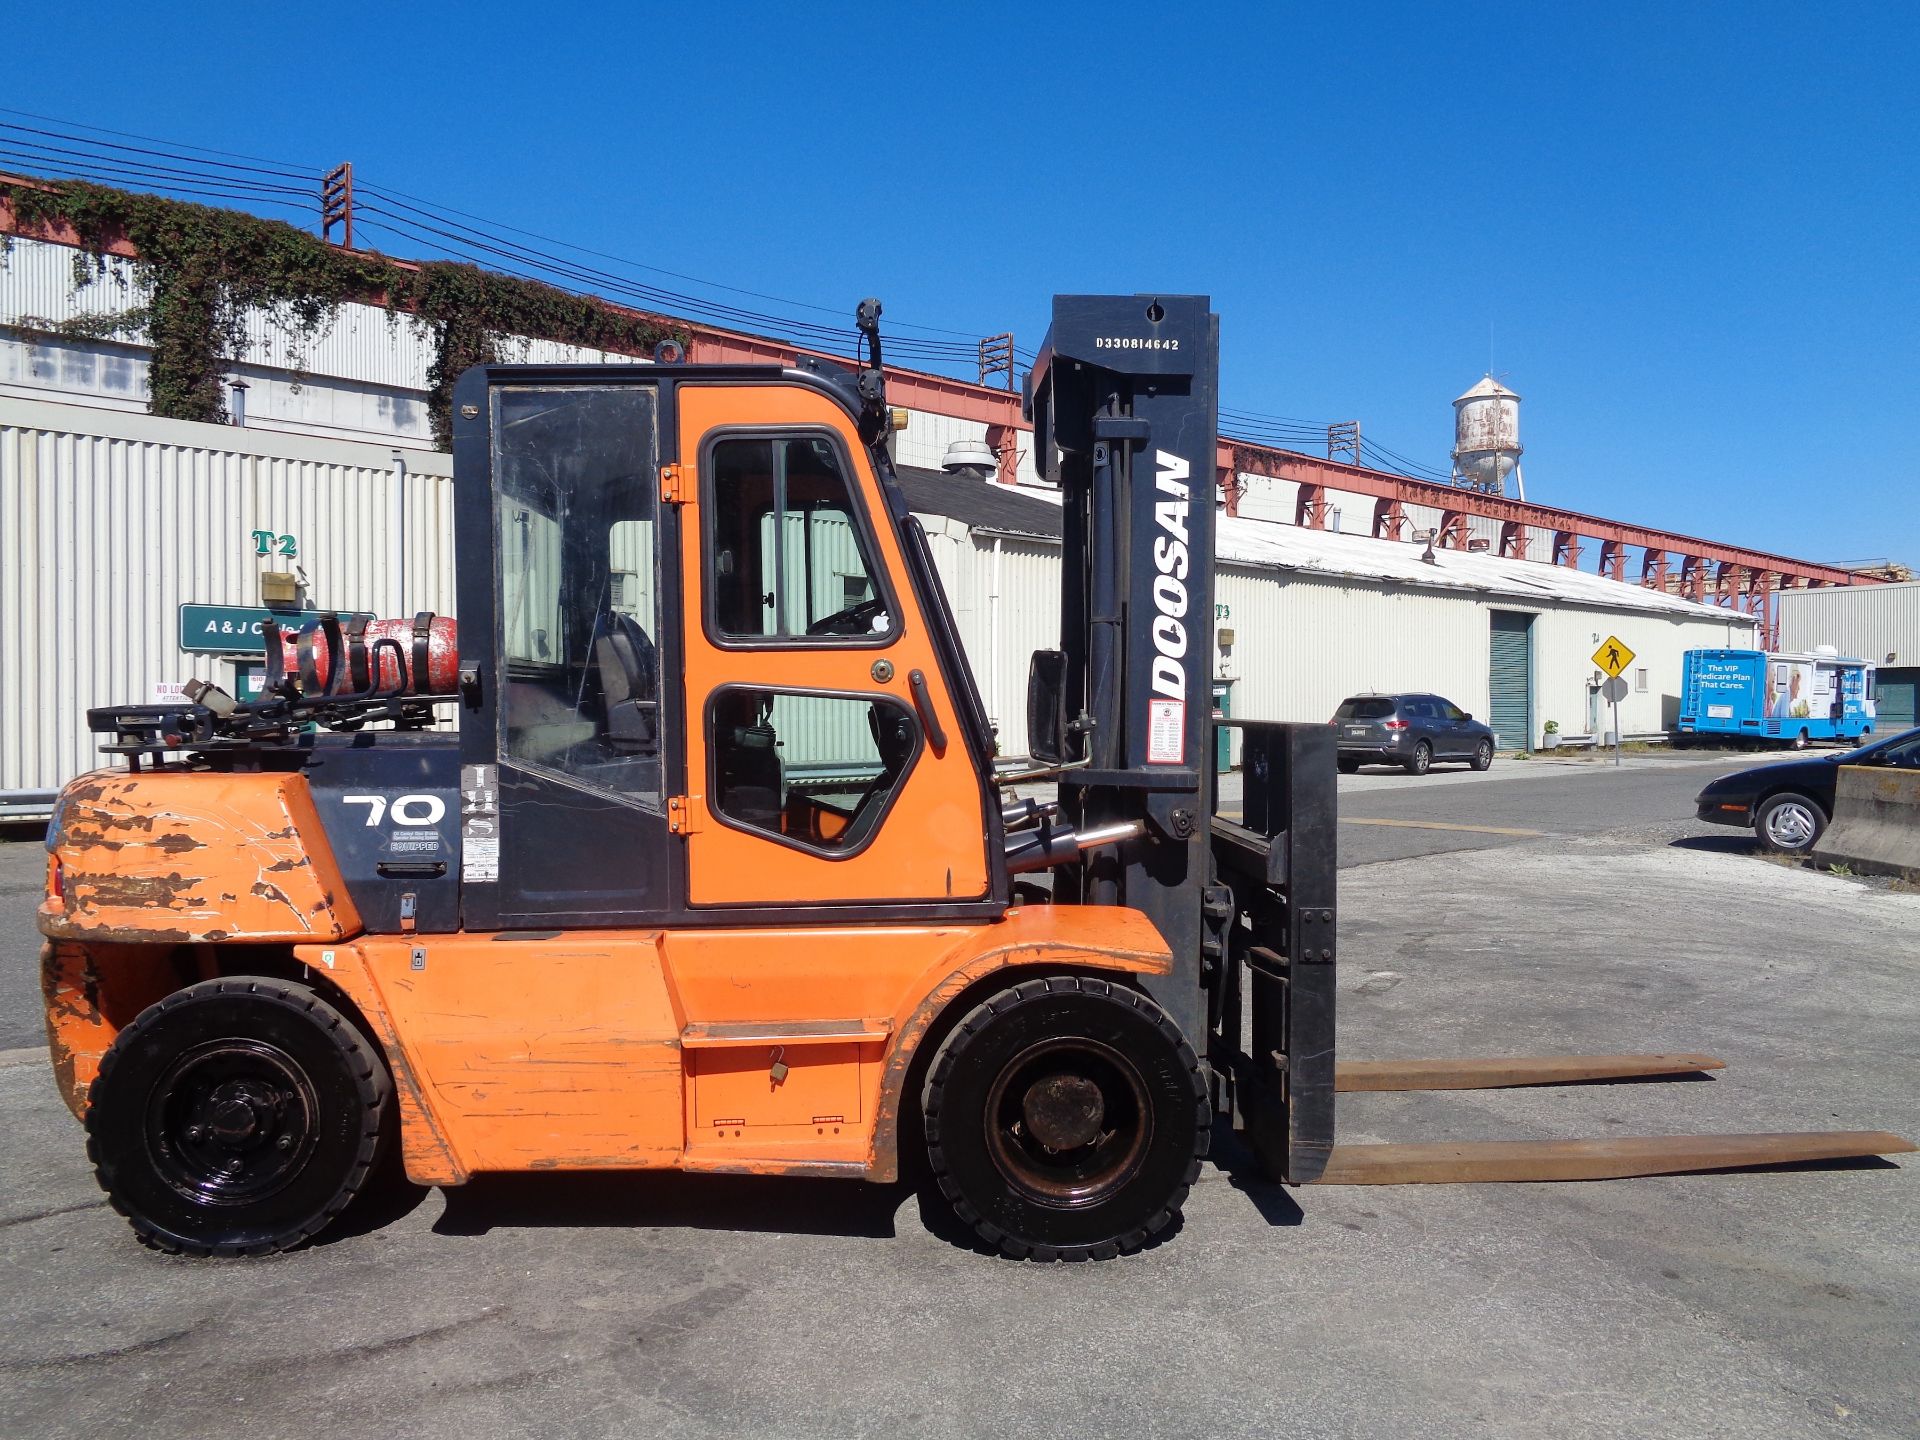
<point>173,145</point>
<point>471,242</point>
<point>53,147</point>
<point>434,210</point>
<point>161,166</point>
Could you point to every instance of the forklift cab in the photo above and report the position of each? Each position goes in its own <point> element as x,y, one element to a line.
<point>720,675</point>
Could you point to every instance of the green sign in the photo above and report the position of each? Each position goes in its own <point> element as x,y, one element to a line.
<point>232,629</point>
<point>249,679</point>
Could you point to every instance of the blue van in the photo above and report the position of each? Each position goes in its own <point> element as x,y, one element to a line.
<point>1791,698</point>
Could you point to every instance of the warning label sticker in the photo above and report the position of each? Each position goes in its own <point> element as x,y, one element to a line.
<point>479,824</point>
<point>1166,732</point>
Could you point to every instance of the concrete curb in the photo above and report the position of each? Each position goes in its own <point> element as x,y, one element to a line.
<point>1876,822</point>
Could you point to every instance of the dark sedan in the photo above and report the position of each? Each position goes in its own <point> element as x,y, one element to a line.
<point>1789,804</point>
<point>1410,730</point>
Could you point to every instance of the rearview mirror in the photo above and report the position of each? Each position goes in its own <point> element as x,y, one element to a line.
<point>1046,707</point>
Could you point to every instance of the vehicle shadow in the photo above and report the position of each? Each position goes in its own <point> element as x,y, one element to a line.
<point>742,1203</point>
<point>1232,1157</point>
<point>759,1204</point>
<point>1718,844</point>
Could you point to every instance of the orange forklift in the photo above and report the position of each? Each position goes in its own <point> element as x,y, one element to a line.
<point>720,871</point>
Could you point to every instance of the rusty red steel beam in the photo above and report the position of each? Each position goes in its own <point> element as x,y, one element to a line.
<point>1499,1072</point>
<point>58,233</point>
<point>1244,456</point>
<point>1480,1162</point>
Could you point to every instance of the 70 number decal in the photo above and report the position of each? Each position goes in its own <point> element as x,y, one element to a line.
<point>405,809</point>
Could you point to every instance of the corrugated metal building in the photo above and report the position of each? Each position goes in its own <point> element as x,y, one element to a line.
<point>1880,623</point>
<point>110,520</point>
<point>1304,618</point>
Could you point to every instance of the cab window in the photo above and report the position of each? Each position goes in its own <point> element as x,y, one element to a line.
<point>578,575</point>
<point>815,771</point>
<point>787,560</point>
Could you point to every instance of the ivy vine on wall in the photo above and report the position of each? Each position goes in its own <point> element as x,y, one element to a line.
<point>206,268</point>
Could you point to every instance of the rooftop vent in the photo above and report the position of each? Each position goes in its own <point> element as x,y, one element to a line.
<point>971,458</point>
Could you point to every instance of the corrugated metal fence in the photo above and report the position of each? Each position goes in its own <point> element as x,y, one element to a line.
<point>109,521</point>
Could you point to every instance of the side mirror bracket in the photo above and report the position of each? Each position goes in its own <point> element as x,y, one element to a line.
<point>1047,707</point>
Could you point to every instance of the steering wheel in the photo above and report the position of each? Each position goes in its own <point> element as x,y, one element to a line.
<point>854,620</point>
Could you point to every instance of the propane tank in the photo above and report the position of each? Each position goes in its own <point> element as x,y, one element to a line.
<point>391,642</point>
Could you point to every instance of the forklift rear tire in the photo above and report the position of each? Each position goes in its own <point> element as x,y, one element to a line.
<point>1066,1119</point>
<point>236,1117</point>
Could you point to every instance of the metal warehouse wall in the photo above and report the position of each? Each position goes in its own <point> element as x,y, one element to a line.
<point>924,442</point>
<point>363,376</point>
<point>1263,497</point>
<point>1303,643</point>
<point>1565,638</point>
<point>109,521</point>
<point>1005,595</point>
<point>1868,622</point>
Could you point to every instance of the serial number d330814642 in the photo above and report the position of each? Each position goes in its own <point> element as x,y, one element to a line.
<point>1134,342</point>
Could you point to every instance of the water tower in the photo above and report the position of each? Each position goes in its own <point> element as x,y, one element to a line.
<point>1486,438</point>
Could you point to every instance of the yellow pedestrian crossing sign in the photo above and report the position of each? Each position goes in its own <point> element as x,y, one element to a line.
<point>1613,656</point>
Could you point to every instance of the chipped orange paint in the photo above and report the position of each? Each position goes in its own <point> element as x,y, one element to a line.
<point>641,1049</point>
<point>91,992</point>
<point>172,856</point>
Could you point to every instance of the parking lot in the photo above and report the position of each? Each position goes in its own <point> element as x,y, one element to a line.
<point>1543,907</point>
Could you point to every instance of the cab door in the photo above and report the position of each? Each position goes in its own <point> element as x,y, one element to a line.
<point>824,756</point>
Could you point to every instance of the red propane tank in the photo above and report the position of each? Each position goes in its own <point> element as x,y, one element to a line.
<point>443,654</point>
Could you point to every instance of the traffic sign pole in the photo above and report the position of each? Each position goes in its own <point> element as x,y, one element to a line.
<point>1614,657</point>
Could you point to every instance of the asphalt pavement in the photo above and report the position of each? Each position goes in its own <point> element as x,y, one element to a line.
<point>1390,815</point>
<point>1776,1304</point>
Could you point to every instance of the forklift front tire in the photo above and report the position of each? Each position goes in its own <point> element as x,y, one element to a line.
<point>236,1117</point>
<point>1066,1119</point>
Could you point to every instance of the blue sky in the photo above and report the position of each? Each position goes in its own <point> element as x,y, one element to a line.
<point>1690,229</point>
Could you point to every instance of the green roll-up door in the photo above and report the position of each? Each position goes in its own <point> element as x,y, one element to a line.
<point>1897,691</point>
<point>1510,679</point>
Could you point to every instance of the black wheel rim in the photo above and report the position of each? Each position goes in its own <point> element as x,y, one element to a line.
<point>1100,1144</point>
<point>231,1122</point>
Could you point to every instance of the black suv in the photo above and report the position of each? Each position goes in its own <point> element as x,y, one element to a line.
<point>1412,730</point>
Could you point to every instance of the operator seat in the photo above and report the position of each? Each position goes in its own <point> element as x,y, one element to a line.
<point>629,664</point>
<point>751,777</point>
<point>894,738</point>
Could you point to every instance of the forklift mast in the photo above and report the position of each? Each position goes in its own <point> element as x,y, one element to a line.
<point>1123,398</point>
